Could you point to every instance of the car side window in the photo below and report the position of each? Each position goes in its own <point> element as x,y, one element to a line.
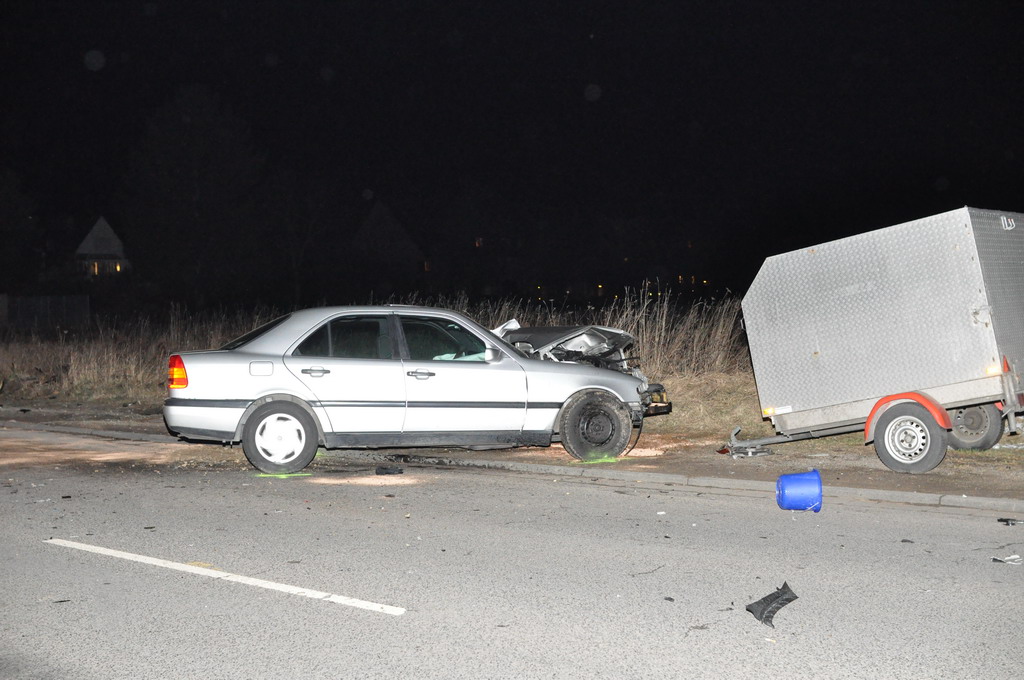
<point>435,339</point>
<point>362,337</point>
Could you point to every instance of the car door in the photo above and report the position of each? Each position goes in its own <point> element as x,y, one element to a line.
<point>350,364</point>
<point>450,385</point>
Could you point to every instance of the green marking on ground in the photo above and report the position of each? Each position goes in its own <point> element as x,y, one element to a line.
<point>606,459</point>
<point>284,475</point>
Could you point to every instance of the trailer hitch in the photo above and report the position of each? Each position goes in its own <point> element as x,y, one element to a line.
<point>747,449</point>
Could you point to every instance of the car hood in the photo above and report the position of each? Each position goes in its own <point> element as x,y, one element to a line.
<point>597,345</point>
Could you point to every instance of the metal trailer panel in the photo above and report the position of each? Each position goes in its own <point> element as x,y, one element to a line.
<point>1000,241</point>
<point>897,309</point>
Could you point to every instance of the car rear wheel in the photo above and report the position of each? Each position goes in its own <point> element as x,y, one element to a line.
<point>279,438</point>
<point>975,428</point>
<point>907,439</point>
<point>595,425</point>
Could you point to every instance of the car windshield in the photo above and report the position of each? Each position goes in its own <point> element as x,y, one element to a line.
<point>255,333</point>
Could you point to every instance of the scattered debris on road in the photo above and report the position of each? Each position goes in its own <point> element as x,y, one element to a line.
<point>1010,522</point>
<point>390,470</point>
<point>764,610</point>
<point>1011,559</point>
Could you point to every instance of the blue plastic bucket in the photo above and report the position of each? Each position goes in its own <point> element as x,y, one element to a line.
<point>800,491</point>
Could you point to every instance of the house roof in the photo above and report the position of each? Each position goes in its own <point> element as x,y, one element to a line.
<point>101,241</point>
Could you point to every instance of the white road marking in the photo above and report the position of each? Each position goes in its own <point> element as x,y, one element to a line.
<point>225,576</point>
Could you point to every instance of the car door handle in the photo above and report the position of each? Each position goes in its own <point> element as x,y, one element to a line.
<point>316,371</point>
<point>420,374</point>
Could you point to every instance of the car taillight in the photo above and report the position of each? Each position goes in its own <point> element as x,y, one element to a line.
<point>176,376</point>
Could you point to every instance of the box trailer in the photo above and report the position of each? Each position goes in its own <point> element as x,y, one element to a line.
<point>913,333</point>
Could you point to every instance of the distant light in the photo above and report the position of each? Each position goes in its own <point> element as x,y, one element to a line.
<point>994,369</point>
<point>95,60</point>
<point>600,286</point>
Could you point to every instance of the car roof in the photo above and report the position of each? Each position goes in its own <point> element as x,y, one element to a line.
<point>283,335</point>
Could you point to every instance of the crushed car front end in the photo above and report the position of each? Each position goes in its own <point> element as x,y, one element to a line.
<point>600,346</point>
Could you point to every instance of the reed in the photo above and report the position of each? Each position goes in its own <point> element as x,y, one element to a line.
<point>124,360</point>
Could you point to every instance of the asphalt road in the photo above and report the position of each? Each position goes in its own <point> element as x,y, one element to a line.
<point>208,569</point>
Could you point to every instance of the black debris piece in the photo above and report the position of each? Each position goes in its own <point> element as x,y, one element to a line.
<point>389,470</point>
<point>1010,522</point>
<point>764,609</point>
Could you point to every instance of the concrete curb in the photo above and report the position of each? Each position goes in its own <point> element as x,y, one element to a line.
<point>109,434</point>
<point>697,483</point>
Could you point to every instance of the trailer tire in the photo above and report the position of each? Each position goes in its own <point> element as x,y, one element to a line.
<point>975,428</point>
<point>907,439</point>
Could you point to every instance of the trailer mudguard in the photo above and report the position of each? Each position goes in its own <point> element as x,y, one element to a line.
<point>933,407</point>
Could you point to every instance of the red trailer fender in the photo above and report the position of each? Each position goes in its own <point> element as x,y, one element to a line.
<point>933,407</point>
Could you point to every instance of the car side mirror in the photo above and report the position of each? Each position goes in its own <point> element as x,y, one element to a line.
<point>492,354</point>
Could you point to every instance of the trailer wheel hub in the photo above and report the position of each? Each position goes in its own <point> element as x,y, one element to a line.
<point>907,439</point>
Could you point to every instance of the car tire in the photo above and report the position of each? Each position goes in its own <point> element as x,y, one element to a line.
<point>975,428</point>
<point>595,425</point>
<point>907,439</point>
<point>279,438</point>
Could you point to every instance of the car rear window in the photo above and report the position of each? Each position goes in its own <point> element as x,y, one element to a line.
<point>255,333</point>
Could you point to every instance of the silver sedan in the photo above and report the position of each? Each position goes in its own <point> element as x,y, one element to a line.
<point>396,376</point>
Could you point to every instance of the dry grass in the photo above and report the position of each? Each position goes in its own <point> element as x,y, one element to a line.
<point>697,350</point>
<point>114,360</point>
<point>673,338</point>
<point>707,407</point>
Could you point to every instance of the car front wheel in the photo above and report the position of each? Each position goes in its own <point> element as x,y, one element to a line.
<point>595,425</point>
<point>279,438</point>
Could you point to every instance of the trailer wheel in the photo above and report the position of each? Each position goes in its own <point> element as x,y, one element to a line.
<point>975,428</point>
<point>907,439</point>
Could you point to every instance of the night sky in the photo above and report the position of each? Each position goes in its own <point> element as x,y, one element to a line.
<point>677,137</point>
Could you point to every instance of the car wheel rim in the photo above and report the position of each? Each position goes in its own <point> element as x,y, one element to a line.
<point>906,439</point>
<point>280,438</point>
<point>596,427</point>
